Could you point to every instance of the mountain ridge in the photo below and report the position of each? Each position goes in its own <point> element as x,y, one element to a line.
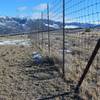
<point>14,25</point>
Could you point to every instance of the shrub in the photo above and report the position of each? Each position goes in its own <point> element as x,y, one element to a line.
<point>88,30</point>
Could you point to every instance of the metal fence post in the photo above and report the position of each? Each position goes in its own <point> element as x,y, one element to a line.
<point>48,29</point>
<point>42,28</point>
<point>63,69</point>
<point>38,40</point>
<point>88,66</point>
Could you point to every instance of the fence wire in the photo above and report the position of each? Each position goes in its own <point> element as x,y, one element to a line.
<point>81,42</point>
<point>82,31</point>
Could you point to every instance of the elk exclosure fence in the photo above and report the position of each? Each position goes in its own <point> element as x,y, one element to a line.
<point>72,34</point>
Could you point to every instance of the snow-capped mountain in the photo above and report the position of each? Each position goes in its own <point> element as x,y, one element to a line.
<point>14,25</point>
<point>10,25</point>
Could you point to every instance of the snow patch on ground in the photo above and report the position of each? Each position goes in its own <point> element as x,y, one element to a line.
<point>25,42</point>
<point>66,51</point>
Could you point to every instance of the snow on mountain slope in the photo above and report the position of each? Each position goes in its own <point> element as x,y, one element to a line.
<point>14,25</point>
<point>2,24</point>
<point>71,26</point>
<point>53,26</point>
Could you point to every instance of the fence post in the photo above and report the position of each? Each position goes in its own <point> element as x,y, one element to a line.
<point>38,41</point>
<point>42,28</point>
<point>37,33</point>
<point>48,29</point>
<point>88,66</point>
<point>63,69</point>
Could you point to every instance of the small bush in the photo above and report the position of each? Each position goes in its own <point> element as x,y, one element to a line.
<point>83,33</point>
<point>88,30</point>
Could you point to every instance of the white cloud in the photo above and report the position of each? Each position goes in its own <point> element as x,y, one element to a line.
<point>57,17</point>
<point>40,7</point>
<point>36,16</point>
<point>23,8</point>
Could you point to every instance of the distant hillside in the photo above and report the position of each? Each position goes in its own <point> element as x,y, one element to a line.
<point>14,25</point>
<point>79,25</point>
<point>10,25</point>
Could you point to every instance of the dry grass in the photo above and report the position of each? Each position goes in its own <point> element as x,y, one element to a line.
<point>82,45</point>
<point>21,80</point>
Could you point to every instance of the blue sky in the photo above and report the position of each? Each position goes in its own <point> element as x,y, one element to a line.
<point>21,7</point>
<point>89,9</point>
<point>85,11</point>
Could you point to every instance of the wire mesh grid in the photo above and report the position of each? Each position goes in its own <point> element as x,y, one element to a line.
<point>82,41</point>
<point>82,31</point>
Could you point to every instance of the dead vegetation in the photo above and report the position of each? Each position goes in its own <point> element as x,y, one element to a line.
<point>20,79</point>
<point>78,49</point>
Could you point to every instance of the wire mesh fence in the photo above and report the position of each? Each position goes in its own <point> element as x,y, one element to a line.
<point>83,41</point>
<point>71,34</point>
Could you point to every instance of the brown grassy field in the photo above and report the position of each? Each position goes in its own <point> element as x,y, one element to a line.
<point>78,49</point>
<point>20,79</point>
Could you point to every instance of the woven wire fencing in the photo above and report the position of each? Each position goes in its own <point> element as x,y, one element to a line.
<point>81,42</point>
<point>81,34</point>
